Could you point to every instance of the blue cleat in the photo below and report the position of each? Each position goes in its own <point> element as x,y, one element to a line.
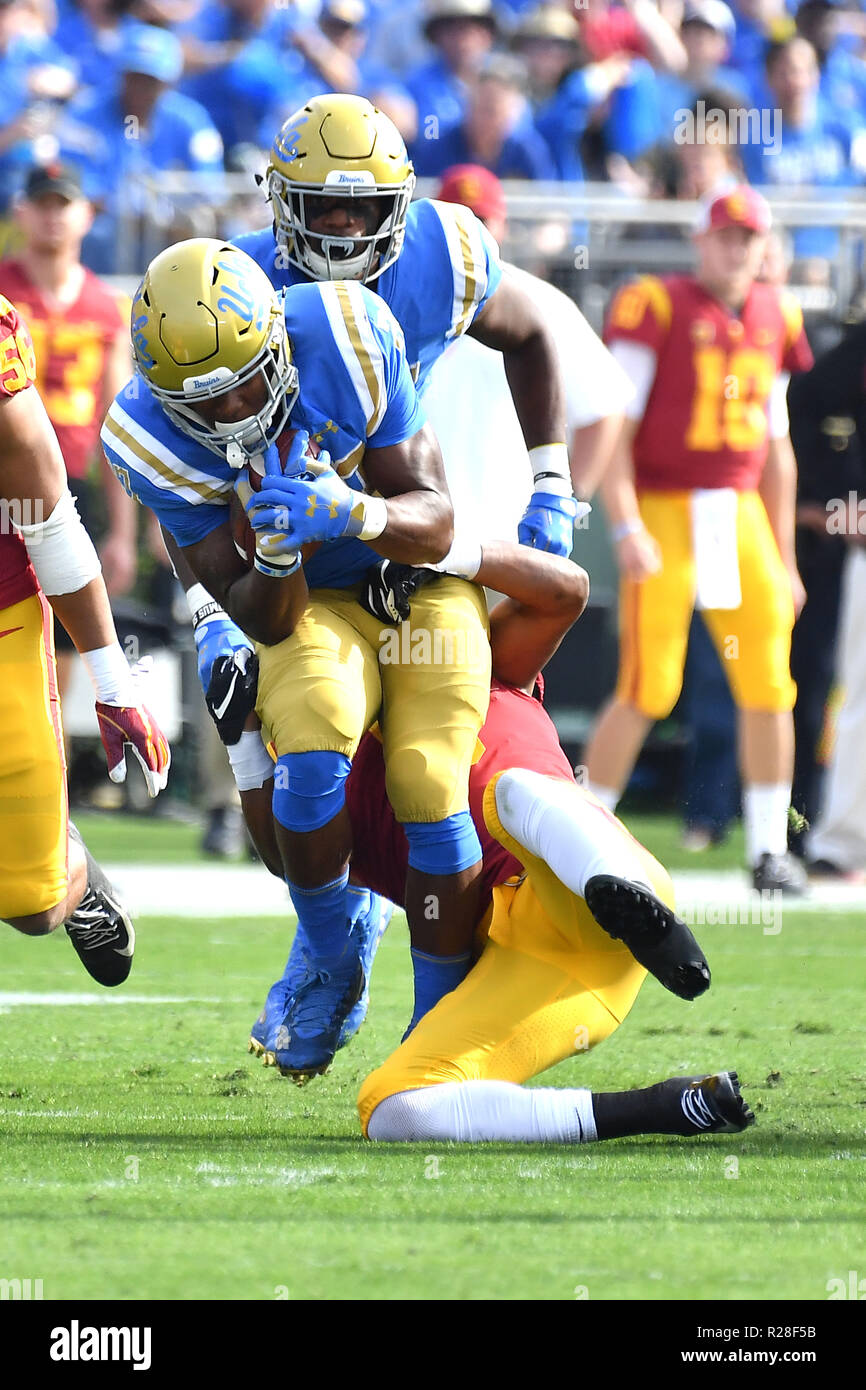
<point>263,1034</point>
<point>309,1033</point>
<point>368,929</point>
<point>369,919</point>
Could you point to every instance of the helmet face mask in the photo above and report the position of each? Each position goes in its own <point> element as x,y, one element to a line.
<point>340,149</point>
<point>240,439</point>
<point>331,256</point>
<point>208,324</point>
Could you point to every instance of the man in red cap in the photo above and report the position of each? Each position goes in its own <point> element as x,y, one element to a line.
<point>700,496</point>
<point>489,498</point>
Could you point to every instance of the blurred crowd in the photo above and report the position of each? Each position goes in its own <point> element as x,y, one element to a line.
<point>615,92</point>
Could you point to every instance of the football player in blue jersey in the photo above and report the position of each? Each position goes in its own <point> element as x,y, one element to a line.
<point>340,186</point>
<point>225,367</point>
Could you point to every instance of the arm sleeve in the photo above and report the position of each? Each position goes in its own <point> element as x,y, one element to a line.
<point>638,362</point>
<point>595,383</point>
<point>777,407</point>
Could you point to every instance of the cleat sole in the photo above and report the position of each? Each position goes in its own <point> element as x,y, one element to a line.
<point>658,939</point>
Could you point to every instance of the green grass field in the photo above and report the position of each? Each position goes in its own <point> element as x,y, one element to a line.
<point>144,1154</point>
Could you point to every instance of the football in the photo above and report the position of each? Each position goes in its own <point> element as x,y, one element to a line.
<point>242,532</point>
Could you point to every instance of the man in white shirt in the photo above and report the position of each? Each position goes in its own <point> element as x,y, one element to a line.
<point>490,497</point>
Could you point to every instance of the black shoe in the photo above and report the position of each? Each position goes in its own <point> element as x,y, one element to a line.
<point>658,939</point>
<point>780,873</point>
<point>100,928</point>
<point>712,1104</point>
<point>224,837</point>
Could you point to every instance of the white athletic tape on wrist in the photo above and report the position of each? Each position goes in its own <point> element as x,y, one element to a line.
<point>61,552</point>
<point>463,559</point>
<point>251,762</point>
<point>550,469</point>
<point>202,605</point>
<point>374,518</point>
<point>111,675</point>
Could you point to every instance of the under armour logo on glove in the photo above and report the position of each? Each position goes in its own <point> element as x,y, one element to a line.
<point>120,725</point>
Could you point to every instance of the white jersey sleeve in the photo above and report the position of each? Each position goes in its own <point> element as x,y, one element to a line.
<point>777,406</point>
<point>638,361</point>
<point>595,384</point>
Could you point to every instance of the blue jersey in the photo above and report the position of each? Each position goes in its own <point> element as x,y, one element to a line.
<point>355,390</point>
<point>448,269</point>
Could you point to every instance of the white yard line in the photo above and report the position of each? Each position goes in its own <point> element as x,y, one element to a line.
<point>16,999</point>
<point>246,891</point>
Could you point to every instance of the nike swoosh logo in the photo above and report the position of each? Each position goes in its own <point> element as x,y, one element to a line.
<point>6,631</point>
<point>220,710</point>
<point>129,949</point>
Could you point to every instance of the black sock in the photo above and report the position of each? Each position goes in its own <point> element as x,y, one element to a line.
<point>654,1110</point>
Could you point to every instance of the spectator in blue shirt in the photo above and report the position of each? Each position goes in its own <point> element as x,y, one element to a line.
<point>136,127</point>
<point>332,59</point>
<point>647,107</point>
<point>498,131</point>
<point>90,33</point>
<point>462,33</point>
<point>35,79</point>
<point>843,73</point>
<point>813,147</point>
<point>707,31</point>
<point>565,89</point>
<point>219,36</point>
<point>759,23</point>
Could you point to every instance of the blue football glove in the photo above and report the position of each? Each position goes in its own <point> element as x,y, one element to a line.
<point>227,669</point>
<point>315,507</point>
<point>548,523</point>
<point>277,554</point>
<point>216,635</point>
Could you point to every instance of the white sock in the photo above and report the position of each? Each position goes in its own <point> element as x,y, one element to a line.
<point>556,821</point>
<point>473,1112</point>
<point>606,795</point>
<point>765,819</point>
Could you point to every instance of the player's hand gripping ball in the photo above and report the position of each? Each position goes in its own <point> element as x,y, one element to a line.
<point>266,547</point>
<point>315,506</point>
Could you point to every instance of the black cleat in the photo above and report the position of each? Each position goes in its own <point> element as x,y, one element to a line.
<point>779,873</point>
<point>100,928</point>
<point>658,939</point>
<point>712,1104</point>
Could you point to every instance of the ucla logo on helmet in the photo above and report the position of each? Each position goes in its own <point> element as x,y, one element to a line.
<point>286,141</point>
<point>239,296</point>
<point>139,341</point>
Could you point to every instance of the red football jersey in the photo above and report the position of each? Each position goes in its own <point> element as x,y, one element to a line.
<point>705,424</point>
<point>71,346</point>
<point>17,373</point>
<point>516,733</point>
